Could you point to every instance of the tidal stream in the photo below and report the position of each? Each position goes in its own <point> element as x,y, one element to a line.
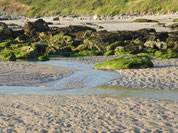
<point>86,81</point>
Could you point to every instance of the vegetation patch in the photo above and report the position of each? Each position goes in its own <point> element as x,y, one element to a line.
<point>126,62</point>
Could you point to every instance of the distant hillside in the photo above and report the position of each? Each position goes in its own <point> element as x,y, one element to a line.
<point>88,7</point>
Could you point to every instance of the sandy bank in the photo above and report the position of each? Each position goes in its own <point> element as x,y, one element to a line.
<point>26,74</point>
<point>162,76</point>
<point>86,114</point>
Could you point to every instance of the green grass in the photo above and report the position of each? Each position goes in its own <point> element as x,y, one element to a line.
<point>103,7</point>
<point>126,62</point>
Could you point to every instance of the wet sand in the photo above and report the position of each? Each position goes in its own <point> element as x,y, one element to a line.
<point>162,76</point>
<point>27,74</point>
<point>86,114</point>
<point>80,114</point>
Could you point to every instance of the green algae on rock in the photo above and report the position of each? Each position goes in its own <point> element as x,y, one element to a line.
<point>126,62</point>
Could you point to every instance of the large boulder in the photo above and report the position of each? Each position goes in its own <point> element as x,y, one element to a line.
<point>33,28</point>
<point>5,32</point>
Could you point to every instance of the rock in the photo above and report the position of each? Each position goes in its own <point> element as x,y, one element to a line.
<point>175,20</point>
<point>161,45</point>
<point>61,40</point>
<point>32,29</point>
<point>92,44</point>
<point>126,62</point>
<point>114,45</point>
<point>56,19</point>
<point>160,25</point>
<point>144,20</point>
<point>7,55</point>
<point>162,36</point>
<point>156,44</point>
<point>170,53</point>
<point>22,38</point>
<point>5,32</point>
<point>77,28</point>
<point>43,58</point>
<point>174,26</point>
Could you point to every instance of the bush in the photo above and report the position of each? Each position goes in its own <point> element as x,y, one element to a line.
<point>126,62</point>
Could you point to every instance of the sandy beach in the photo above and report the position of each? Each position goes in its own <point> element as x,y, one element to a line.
<point>162,76</point>
<point>28,74</point>
<point>124,23</point>
<point>90,113</point>
<point>86,114</point>
<point>80,114</point>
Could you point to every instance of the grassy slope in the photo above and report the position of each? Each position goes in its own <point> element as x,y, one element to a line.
<point>87,7</point>
<point>13,6</point>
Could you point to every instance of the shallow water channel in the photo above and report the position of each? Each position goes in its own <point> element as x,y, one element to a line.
<point>86,81</point>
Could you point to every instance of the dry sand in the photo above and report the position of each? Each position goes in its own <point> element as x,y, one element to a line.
<point>26,74</point>
<point>83,114</point>
<point>163,76</point>
<point>124,23</point>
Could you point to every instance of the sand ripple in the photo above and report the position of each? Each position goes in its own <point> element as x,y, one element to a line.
<point>86,114</point>
<point>26,74</point>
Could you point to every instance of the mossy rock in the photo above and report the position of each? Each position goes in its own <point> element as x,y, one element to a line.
<point>92,44</point>
<point>126,50</point>
<point>110,52</point>
<point>160,25</point>
<point>5,44</point>
<point>61,39</point>
<point>43,58</point>
<point>175,20</point>
<point>174,26</point>
<point>144,20</point>
<point>89,53</point>
<point>7,55</point>
<point>170,53</point>
<point>126,62</point>
<point>113,45</point>
<point>156,45</point>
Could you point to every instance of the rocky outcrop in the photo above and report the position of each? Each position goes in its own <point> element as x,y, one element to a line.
<point>5,32</point>
<point>38,40</point>
<point>33,28</point>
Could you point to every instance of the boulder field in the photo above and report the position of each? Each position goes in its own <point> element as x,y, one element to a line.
<point>38,41</point>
